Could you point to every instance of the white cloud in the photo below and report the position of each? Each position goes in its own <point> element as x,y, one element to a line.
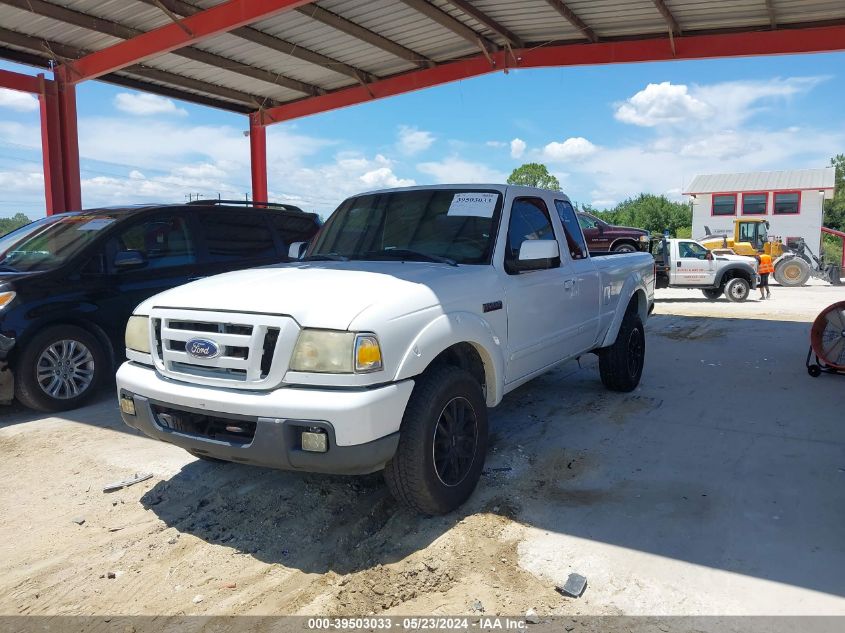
<point>496,144</point>
<point>145,104</point>
<point>662,103</point>
<point>383,177</point>
<point>572,149</point>
<point>457,170</point>
<point>18,101</point>
<point>517,148</point>
<point>413,141</point>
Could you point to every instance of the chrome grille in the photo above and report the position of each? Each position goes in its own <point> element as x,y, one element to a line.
<point>253,350</point>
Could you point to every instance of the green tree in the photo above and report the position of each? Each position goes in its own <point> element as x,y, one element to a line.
<point>8,225</point>
<point>651,212</point>
<point>533,175</point>
<point>834,209</point>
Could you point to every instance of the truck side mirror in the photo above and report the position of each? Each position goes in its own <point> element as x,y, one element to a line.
<point>537,254</point>
<point>297,249</point>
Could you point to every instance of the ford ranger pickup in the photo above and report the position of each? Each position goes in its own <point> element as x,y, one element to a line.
<point>411,312</point>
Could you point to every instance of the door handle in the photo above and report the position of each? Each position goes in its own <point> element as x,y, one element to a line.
<point>569,284</point>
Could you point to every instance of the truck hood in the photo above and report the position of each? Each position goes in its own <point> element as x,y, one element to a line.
<point>739,258</point>
<point>327,294</point>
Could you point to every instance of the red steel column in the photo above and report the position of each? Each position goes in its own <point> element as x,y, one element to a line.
<point>69,142</point>
<point>51,147</point>
<point>258,158</point>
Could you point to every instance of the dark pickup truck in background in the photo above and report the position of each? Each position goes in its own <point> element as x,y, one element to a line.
<point>608,238</point>
<point>69,282</point>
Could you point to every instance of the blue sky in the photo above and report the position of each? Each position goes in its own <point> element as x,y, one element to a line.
<point>607,132</point>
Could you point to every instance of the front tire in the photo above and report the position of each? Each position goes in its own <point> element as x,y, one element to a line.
<point>737,289</point>
<point>442,443</point>
<point>621,364</point>
<point>792,272</point>
<point>624,248</point>
<point>712,293</point>
<point>60,369</point>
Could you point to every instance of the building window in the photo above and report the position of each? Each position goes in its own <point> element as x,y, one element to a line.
<point>787,202</point>
<point>755,203</point>
<point>724,204</point>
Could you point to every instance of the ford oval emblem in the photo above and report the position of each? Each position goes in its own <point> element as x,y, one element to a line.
<point>202,348</point>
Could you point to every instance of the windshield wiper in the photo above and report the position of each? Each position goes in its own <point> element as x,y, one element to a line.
<point>406,253</point>
<point>325,257</point>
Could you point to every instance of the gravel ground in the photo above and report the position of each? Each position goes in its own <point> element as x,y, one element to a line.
<point>716,487</point>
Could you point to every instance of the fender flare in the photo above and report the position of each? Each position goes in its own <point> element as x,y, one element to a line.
<point>634,287</point>
<point>623,239</point>
<point>735,266</point>
<point>451,329</point>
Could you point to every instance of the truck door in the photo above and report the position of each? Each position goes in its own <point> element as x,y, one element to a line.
<point>539,323</point>
<point>690,265</point>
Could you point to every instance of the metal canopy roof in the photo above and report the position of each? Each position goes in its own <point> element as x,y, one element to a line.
<point>304,57</point>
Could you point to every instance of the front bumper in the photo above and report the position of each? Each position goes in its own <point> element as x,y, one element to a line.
<point>362,425</point>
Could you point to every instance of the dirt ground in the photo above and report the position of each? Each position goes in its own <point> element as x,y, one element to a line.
<point>689,496</point>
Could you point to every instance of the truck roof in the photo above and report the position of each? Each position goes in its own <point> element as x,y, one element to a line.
<point>501,188</point>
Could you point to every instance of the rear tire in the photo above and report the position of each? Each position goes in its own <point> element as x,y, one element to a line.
<point>621,364</point>
<point>60,369</point>
<point>713,293</point>
<point>737,289</point>
<point>792,272</point>
<point>442,443</point>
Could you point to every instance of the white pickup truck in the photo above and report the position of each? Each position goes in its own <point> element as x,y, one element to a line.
<point>411,313</point>
<point>685,263</point>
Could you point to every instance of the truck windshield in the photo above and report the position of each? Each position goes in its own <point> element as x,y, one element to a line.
<point>444,225</point>
<point>48,243</point>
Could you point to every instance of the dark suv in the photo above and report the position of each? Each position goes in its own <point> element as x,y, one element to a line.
<point>608,238</point>
<point>69,282</point>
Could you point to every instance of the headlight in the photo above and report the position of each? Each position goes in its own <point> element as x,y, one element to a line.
<point>644,238</point>
<point>138,334</point>
<point>331,352</point>
<point>6,298</point>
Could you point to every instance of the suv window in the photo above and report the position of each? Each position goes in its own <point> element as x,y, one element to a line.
<point>574,238</point>
<point>529,221</point>
<point>291,228</point>
<point>236,235</point>
<point>691,249</point>
<point>164,240</point>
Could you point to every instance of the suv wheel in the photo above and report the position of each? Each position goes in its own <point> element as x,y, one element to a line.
<point>621,364</point>
<point>60,369</point>
<point>442,443</point>
<point>625,248</point>
<point>737,289</point>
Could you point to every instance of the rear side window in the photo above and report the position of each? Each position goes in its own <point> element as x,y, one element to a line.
<point>529,221</point>
<point>574,238</point>
<point>165,241</point>
<point>236,235</point>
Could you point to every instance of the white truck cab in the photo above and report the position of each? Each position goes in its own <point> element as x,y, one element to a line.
<point>411,313</point>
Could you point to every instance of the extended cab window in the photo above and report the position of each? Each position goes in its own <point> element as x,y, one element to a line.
<point>691,249</point>
<point>163,241</point>
<point>574,238</point>
<point>529,221</point>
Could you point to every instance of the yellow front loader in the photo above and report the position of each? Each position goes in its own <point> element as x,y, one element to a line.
<point>793,266</point>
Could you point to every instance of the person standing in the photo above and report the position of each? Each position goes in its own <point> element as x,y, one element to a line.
<point>765,268</point>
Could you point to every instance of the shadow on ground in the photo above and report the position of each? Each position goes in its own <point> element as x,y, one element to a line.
<point>728,456</point>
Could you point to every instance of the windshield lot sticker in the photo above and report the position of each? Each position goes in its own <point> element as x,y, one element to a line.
<point>95,225</point>
<point>476,205</point>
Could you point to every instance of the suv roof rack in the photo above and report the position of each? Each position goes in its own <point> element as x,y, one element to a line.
<point>245,203</point>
